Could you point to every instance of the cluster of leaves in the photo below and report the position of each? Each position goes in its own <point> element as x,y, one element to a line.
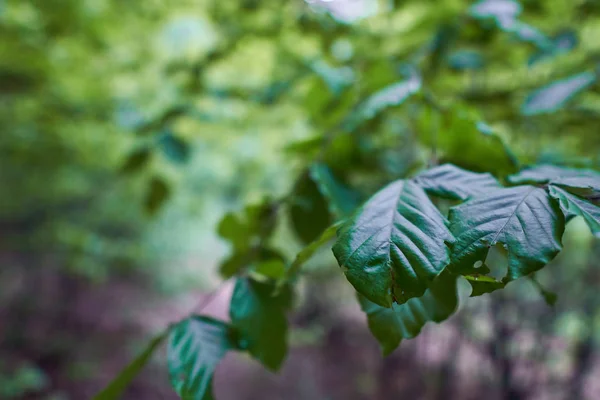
<point>403,249</point>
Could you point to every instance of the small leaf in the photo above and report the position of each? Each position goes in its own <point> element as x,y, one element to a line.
<point>258,313</point>
<point>157,194</point>
<point>174,148</point>
<point>342,200</point>
<point>395,245</point>
<point>392,95</point>
<point>196,346</point>
<point>404,321</point>
<point>523,218</point>
<point>572,204</point>
<point>274,269</point>
<point>554,96</point>
<point>449,181</point>
<point>118,386</point>
<point>245,229</point>
<point>242,259</point>
<point>309,211</point>
<point>136,160</point>
<point>482,284</point>
<point>305,254</point>
<point>546,172</point>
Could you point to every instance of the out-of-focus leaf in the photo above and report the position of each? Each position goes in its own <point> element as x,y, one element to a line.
<point>545,173</point>
<point>497,9</point>
<point>451,182</point>
<point>257,311</point>
<point>549,297</point>
<point>554,96</point>
<point>136,160</point>
<point>244,229</point>
<point>404,321</point>
<point>196,345</point>
<point>273,269</point>
<point>395,245</point>
<point>117,387</point>
<point>526,33</point>
<point>390,96</point>
<point>561,43</point>
<point>342,200</point>
<point>246,258</point>
<point>157,194</point>
<point>465,59</point>
<point>305,254</point>
<point>174,148</point>
<point>513,217</point>
<point>572,204</point>
<point>309,210</point>
<point>481,284</point>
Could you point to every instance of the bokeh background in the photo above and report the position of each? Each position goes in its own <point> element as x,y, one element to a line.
<point>129,128</point>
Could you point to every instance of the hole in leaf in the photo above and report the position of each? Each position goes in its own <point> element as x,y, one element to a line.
<point>478,264</point>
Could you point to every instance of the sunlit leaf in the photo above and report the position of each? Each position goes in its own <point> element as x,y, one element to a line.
<point>196,345</point>
<point>498,9</point>
<point>395,245</point>
<point>404,321</point>
<point>513,217</point>
<point>554,96</point>
<point>392,95</point>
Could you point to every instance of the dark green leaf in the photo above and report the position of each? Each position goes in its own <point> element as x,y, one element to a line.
<point>395,245</point>
<point>545,173</point>
<point>451,182</point>
<point>258,313</point>
<point>136,160</point>
<point>118,386</point>
<point>482,284</point>
<point>157,194</point>
<point>174,148</point>
<point>242,259</point>
<point>523,218</point>
<point>552,97</point>
<point>404,321</point>
<point>572,204</point>
<point>342,200</point>
<point>309,210</point>
<point>196,345</point>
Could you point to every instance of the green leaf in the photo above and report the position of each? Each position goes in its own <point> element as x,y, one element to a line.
<point>481,284</point>
<point>404,321</point>
<point>246,258</point>
<point>546,172</point>
<point>196,346</point>
<point>449,181</point>
<point>258,313</point>
<point>523,218</point>
<point>342,200</point>
<point>274,269</point>
<point>552,97</point>
<point>243,230</point>
<point>390,96</point>
<point>157,194</point>
<point>395,245</point>
<point>305,254</point>
<point>118,386</point>
<point>174,148</point>
<point>136,160</point>
<point>571,204</point>
<point>309,211</point>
